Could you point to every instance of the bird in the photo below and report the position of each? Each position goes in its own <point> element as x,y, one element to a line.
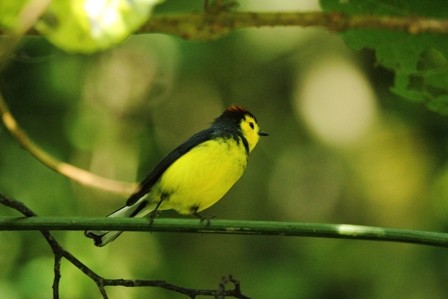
<point>196,174</point>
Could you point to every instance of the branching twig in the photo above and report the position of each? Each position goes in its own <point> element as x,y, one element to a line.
<point>60,253</point>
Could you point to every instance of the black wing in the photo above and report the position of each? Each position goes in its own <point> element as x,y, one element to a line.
<point>175,154</point>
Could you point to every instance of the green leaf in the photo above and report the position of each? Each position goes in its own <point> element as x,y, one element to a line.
<point>418,61</point>
<point>88,26</point>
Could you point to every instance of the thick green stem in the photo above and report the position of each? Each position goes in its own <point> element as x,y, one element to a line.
<point>234,227</point>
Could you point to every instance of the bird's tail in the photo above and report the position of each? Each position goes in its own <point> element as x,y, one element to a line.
<point>103,237</point>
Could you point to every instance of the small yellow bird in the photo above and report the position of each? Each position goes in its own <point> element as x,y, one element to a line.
<point>196,174</point>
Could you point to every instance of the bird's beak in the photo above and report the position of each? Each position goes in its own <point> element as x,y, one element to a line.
<point>263,133</point>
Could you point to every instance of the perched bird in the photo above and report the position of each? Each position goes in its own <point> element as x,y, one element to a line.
<point>196,174</point>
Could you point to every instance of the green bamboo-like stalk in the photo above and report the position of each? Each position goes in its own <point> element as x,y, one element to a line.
<point>234,227</point>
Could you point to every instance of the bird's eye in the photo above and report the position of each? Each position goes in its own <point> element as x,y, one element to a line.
<point>251,124</point>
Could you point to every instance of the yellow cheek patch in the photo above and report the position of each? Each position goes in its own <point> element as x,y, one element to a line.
<point>250,128</point>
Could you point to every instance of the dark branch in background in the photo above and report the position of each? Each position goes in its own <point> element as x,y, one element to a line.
<point>203,26</point>
<point>214,24</point>
<point>60,253</point>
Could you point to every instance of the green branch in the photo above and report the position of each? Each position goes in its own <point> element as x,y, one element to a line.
<point>234,227</point>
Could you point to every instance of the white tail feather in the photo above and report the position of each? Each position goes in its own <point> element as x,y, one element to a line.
<point>103,237</point>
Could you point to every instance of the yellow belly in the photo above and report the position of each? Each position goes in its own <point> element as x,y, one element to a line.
<point>201,177</point>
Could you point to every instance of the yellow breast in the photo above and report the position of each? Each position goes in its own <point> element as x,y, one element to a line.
<point>202,176</point>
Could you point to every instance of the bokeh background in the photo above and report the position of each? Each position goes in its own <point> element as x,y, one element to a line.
<point>342,149</point>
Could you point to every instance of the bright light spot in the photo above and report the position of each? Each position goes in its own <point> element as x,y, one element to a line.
<point>269,42</point>
<point>353,230</point>
<point>102,14</point>
<point>336,101</point>
<point>279,5</point>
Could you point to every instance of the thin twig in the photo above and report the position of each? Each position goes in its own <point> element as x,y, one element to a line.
<point>60,253</point>
<point>72,172</point>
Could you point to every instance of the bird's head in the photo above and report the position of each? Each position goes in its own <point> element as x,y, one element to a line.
<point>239,119</point>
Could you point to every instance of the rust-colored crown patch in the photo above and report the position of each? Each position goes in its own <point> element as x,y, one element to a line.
<point>236,108</point>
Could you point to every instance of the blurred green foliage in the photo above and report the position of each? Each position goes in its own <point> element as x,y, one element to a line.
<point>81,26</point>
<point>119,112</point>
<point>419,62</point>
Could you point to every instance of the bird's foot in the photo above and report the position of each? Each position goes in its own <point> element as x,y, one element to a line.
<point>153,215</point>
<point>204,219</point>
